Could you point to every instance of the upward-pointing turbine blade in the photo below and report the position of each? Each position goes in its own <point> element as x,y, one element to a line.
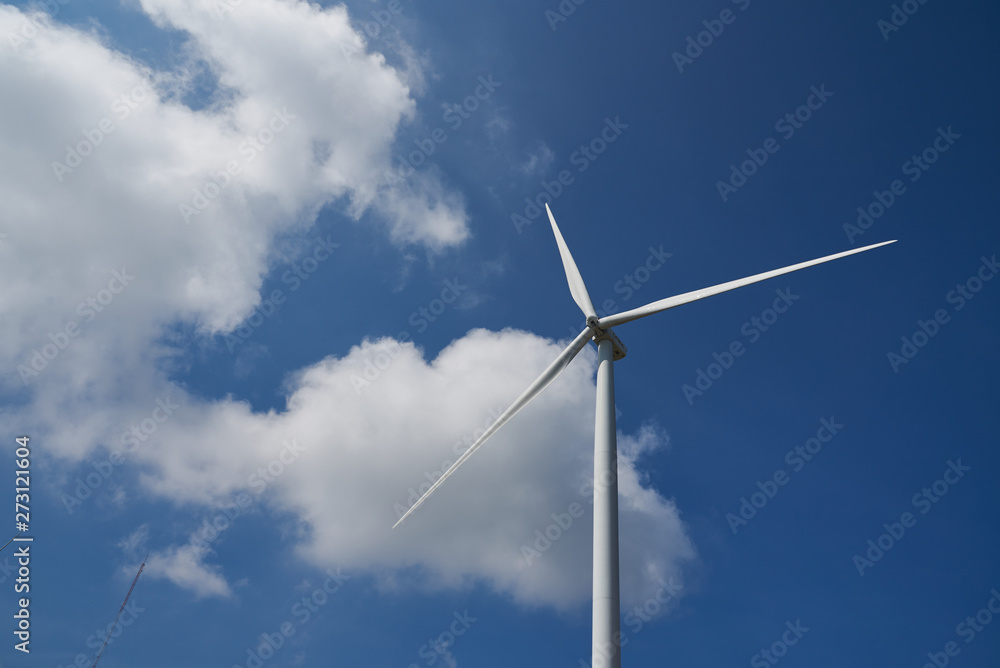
<point>671,302</point>
<point>540,383</point>
<point>573,277</point>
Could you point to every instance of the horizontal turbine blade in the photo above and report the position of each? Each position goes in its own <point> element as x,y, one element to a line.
<point>573,277</point>
<point>540,383</point>
<point>671,302</point>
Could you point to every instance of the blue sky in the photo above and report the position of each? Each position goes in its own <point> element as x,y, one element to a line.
<point>290,260</point>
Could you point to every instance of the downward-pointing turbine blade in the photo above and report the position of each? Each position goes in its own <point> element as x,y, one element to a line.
<point>671,302</point>
<point>573,277</point>
<point>554,369</point>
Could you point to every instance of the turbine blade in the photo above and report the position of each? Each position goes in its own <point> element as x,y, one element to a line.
<point>573,277</point>
<point>671,302</point>
<point>540,383</point>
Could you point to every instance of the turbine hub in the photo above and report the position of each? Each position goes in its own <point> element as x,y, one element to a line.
<point>599,335</point>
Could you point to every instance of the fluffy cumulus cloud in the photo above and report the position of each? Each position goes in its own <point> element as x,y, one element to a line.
<point>127,210</point>
<point>349,455</point>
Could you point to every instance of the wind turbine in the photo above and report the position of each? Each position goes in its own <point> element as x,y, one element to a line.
<point>606,614</point>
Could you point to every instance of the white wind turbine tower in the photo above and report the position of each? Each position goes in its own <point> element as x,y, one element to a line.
<point>604,649</point>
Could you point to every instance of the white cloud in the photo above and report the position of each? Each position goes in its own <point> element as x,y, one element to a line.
<point>366,454</point>
<point>539,159</point>
<point>185,567</point>
<point>421,207</point>
<point>102,251</point>
<point>135,542</point>
<point>304,126</point>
